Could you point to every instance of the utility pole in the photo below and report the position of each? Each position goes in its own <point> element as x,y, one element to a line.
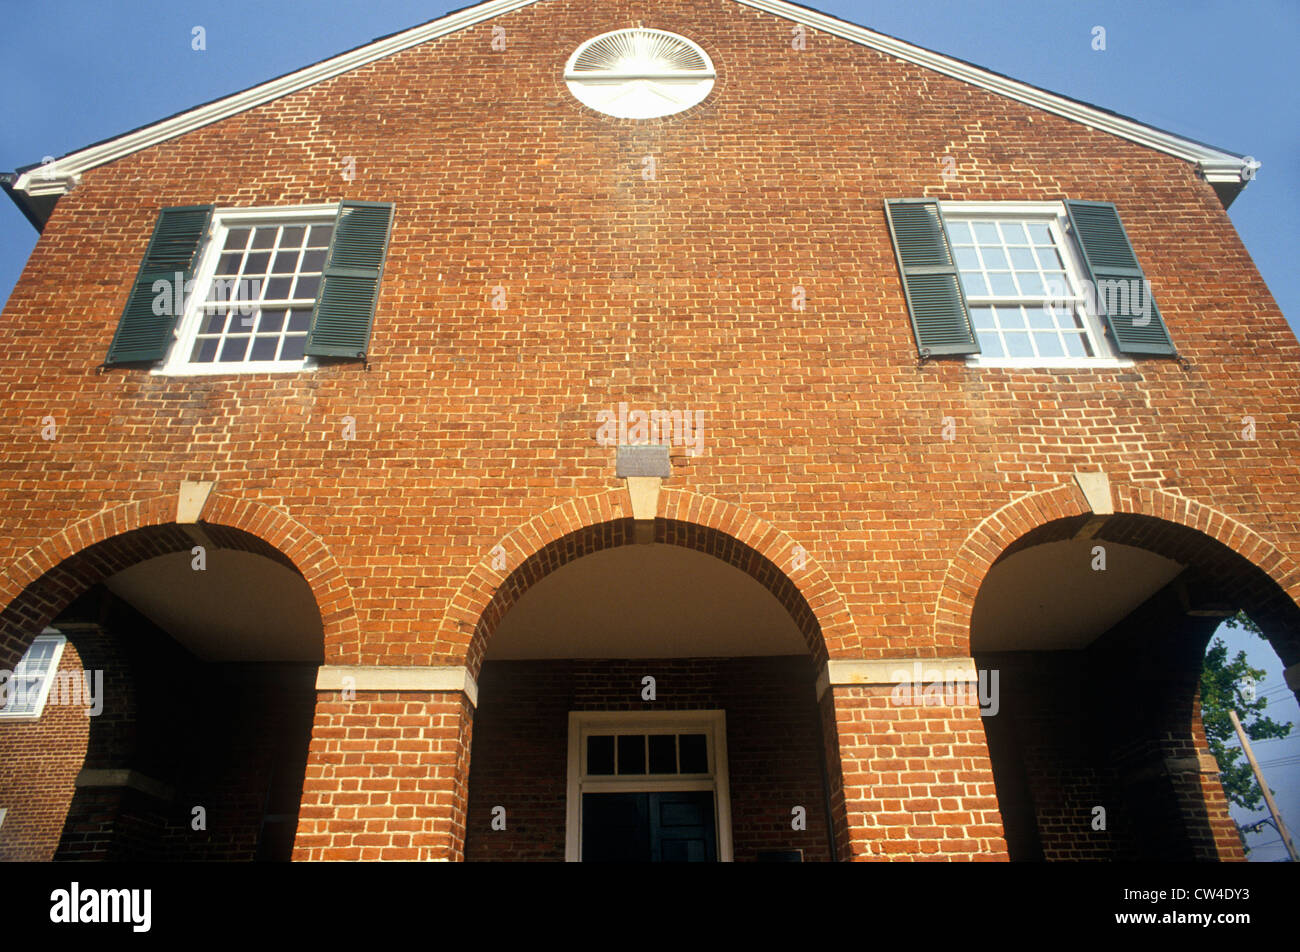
<point>1259,776</point>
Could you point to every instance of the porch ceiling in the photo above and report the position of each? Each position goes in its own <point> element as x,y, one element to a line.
<point>646,601</point>
<point>242,607</point>
<point>1049,598</point>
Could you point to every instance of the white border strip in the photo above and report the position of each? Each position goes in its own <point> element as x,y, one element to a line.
<point>1217,165</point>
<point>1223,165</point>
<point>78,162</point>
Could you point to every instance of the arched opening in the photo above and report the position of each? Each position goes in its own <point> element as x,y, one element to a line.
<point>177,717</point>
<point>1097,627</point>
<point>648,702</point>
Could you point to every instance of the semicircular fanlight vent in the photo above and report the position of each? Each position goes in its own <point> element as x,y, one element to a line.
<point>639,73</point>
<point>643,50</point>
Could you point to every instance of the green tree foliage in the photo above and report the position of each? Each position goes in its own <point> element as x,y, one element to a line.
<point>1233,685</point>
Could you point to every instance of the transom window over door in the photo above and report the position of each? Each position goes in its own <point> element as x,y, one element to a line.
<point>648,787</point>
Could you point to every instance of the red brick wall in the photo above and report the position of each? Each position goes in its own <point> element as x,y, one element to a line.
<point>39,760</point>
<point>521,746</point>
<point>670,294</point>
<point>384,778</point>
<point>917,781</point>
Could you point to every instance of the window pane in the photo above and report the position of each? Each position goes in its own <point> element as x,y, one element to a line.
<point>967,259</point>
<point>286,262</point>
<point>320,236</point>
<point>292,236</point>
<point>973,284</point>
<point>982,317</point>
<point>986,233</point>
<point>1040,318</point>
<point>1010,317</point>
<point>264,348</point>
<point>294,347</point>
<point>990,345</point>
<point>1022,259</point>
<point>1030,283</point>
<point>237,238</point>
<point>694,752</point>
<point>277,289</point>
<point>994,258</point>
<point>1067,317</point>
<point>256,263</point>
<point>663,753</point>
<point>1018,345</point>
<point>313,261</point>
<point>205,349</point>
<point>271,321</point>
<point>307,287</point>
<point>234,349</point>
<point>600,754</point>
<point>1000,283</point>
<point>265,237</point>
<point>1049,345</point>
<point>214,324</point>
<point>299,320</point>
<point>1039,232</point>
<point>959,232</point>
<point>1014,232</point>
<point>631,754</point>
<point>229,263</point>
<point>1076,346</point>
<point>1049,259</point>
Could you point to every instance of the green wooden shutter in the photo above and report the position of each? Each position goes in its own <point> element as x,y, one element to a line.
<point>345,307</point>
<point>1123,296</point>
<point>931,283</point>
<point>142,334</point>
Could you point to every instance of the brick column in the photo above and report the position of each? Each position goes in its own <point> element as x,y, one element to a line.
<point>917,778</point>
<point>388,765</point>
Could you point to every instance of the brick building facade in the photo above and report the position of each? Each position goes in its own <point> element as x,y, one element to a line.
<point>386,576</point>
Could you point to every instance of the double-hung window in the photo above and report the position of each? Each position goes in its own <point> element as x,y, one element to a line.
<point>249,290</point>
<point>25,691</point>
<point>1024,287</point>
<point>260,281</point>
<point>1024,284</point>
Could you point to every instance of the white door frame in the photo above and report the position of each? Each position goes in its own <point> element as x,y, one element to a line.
<point>713,724</point>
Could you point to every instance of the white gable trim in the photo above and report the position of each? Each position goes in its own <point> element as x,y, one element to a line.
<point>1219,167</point>
<point>1224,166</point>
<point>51,178</point>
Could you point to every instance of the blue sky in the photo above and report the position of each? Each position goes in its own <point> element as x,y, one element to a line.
<point>1220,72</point>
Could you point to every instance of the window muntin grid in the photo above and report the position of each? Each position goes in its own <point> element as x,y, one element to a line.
<point>26,687</point>
<point>1024,301</point>
<point>646,754</point>
<point>258,302</point>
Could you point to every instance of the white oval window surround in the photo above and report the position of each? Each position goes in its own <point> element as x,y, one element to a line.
<point>639,73</point>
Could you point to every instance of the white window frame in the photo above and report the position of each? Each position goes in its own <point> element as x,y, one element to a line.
<point>713,724</point>
<point>178,363</point>
<point>43,690</point>
<point>1057,219</point>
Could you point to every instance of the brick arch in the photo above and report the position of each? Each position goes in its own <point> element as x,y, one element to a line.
<point>582,526</point>
<point>39,584</point>
<point>1259,576</point>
